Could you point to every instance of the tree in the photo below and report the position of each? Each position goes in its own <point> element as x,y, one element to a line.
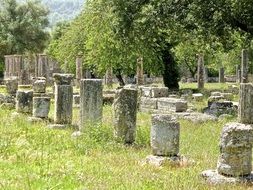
<point>22,27</point>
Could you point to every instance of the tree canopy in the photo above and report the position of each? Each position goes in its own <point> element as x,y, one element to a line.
<point>166,33</point>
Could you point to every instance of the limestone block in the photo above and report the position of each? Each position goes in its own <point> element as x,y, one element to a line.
<point>124,114</point>
<point>235,150</point>
<point>63,104</point>
<point>11,86</point>
<point>245,110</point>
<point>91,101</point>
<point>154,92</point>
<point>150,103</point>
<point>63,79</point>
<point>197,97</point>
<point>39,86</point>
<point>164,135</point>
<point>172,104</point>
<point>41,107</point>
<point>24,101</point>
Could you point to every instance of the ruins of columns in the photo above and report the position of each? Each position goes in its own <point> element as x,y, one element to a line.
<point>63,100</point>
<point>124,114</point>
<point>164,140</point>
<point>91,102</point>
<point>41,66</point>
<point>139,72</point>
<point>41,101</point>
<point>109,77</point>
<point>221,75</point>
<point>79,69</point>
<point>244,66</point>
<point>234,163</point>
<point>200,78</point>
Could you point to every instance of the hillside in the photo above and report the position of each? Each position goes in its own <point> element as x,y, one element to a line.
<point>61,10</point>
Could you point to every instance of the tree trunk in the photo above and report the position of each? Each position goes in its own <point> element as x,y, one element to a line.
<point>120,78</point>
<point>170,73</point>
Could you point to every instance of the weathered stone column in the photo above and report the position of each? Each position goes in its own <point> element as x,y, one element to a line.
<point>63,98</point>
<point>41,107</point>
<point>124,114</point>
<point>91,102</point>
<point>238,73</point>
<point>139,73</point>
<point>244,66</point>
<point>205,74</point>
<point>164,136</point>
<point>221,75</point>
<point>11,85</point>
<point>235,150</point>
<point>79,68</point>
<point>109,77</point>
<point>200,78</point>
<point>41,68</point>
<point>245,110</point>
<point>24,101</point>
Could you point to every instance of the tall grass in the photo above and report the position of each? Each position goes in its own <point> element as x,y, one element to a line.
<point>35,157</point>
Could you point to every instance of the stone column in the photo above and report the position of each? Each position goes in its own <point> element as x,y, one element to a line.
<point>200,78</point>
<point>109,77</point>
<point>244,66</point>
<point>139,73</point>
<point>235,150</point>
<point>238,73</point>
<point>24,101</point>
<point>124,114</point>
<point>41,107</point>
<point>221,75</point>
<point>205,74</point>
<point>42,66</point>
<point>18,65</point>
<point>79,68</point>
<point>164,136</point>
<point>91,102</point>
<point>245,110</point>
<point>63,98</point>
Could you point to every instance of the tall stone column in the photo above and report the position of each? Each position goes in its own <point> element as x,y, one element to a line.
<point>63,98</point>
<point>7,67</point>
<point>206,74</point>
<point>244,66</point>
<point>124,114</point>
<point>139,73</point>
<point>91,102</point>
<point>18,65</point>
<point>221,75</point>
<point>245,110</point>
<point>109,77</point>
<point>238,73</point>
<point>41,68</point>
<point>79,68</point>
<point>200,78</point>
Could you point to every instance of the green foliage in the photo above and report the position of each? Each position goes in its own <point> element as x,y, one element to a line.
<point>22,27</point>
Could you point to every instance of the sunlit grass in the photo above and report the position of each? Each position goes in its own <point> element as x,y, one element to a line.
<point>35,157</point>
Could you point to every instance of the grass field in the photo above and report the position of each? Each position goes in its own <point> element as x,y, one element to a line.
<point>35,157</point>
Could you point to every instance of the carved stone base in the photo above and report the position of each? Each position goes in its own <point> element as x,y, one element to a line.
<point>213,177</point>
